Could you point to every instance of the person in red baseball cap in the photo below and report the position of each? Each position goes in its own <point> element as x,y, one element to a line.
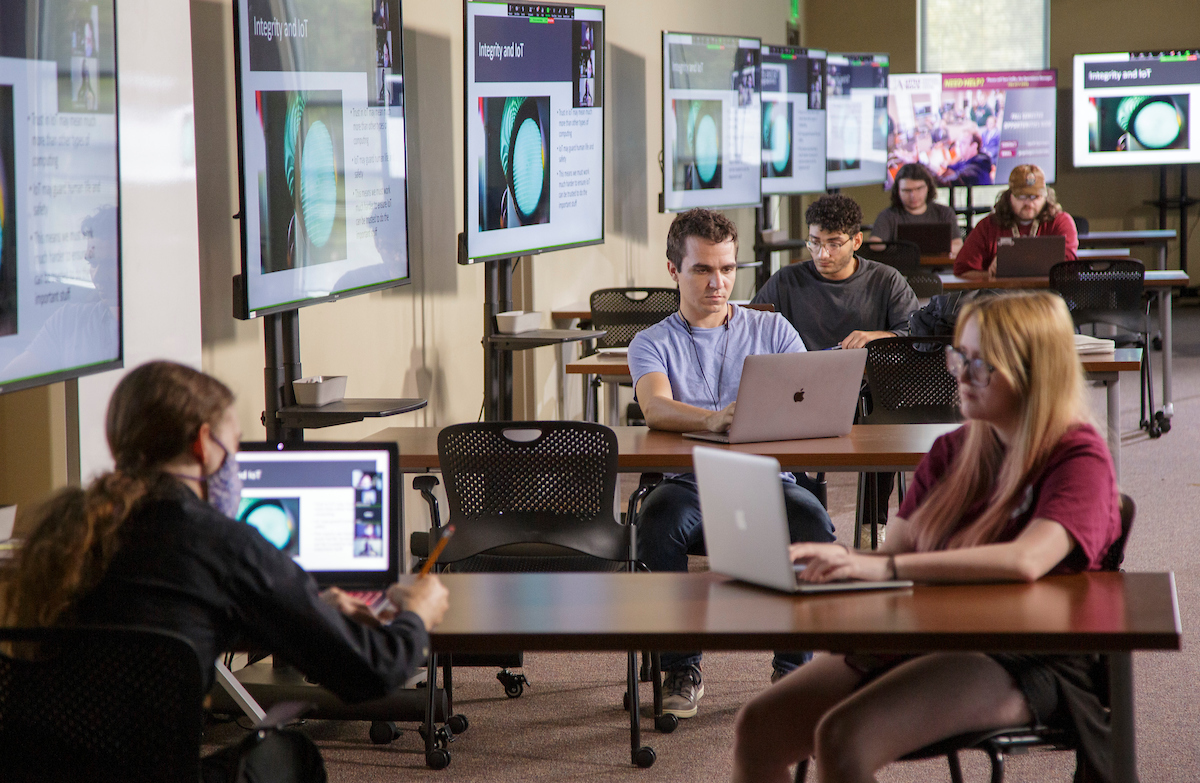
<point>1027,208</point>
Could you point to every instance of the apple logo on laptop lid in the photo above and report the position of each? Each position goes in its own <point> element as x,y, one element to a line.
<point>798,396</point>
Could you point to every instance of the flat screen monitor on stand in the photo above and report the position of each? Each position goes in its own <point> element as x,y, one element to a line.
<point>322,176</point>
<point>533,156</point>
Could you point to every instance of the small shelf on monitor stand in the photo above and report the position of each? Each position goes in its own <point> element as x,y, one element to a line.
<point>345,412</point>
<point>540,337</point>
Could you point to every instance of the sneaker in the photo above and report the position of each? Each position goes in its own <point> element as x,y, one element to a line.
<point>682,688</point>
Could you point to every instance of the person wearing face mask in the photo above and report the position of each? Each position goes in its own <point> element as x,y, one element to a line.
<point>151,543</point>
<point>1027,208</point>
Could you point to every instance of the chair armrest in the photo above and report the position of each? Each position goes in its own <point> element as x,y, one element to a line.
<point>425,485</point>
<point>418,544</point>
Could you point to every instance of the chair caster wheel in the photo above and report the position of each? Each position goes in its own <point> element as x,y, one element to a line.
<point>1163,421</point>
<point>644,757</point>
<point>514,684</point>
<point>665,724</point>
<point>383,731</point>
<point>458,723</point>
<point>437,759</point>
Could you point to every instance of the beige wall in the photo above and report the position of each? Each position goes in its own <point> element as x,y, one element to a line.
<point>1111,199</point>
<point>33,444</point>
<point>424,339</point>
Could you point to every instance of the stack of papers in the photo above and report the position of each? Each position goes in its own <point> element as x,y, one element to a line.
<point>1086,345</point>
<point>613,351</point>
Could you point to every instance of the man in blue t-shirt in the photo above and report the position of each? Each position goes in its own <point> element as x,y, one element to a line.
<point>686,370</point>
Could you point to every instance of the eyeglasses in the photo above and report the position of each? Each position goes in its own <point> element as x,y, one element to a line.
<point>829,247</point>
<point>1027,196</point>
<point>979,372</point>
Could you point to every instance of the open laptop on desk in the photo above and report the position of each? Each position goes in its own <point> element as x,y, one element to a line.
<point>334,507</point>
<point>1029,256</point>
<point>745,524</point>
<point>789,396</point>
<point>934,239</point>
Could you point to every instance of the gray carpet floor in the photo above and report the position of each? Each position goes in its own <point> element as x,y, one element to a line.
<point>569,724</point>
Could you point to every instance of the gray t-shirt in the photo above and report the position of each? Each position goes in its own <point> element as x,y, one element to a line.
<point>884,226</point>
<point>705,366</point>
<point>876,298</point>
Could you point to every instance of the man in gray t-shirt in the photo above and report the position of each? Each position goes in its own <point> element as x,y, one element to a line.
<point>838,298</point>
<point>686,370</point>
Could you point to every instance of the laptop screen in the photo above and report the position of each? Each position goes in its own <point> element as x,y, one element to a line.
<point>332,506</point>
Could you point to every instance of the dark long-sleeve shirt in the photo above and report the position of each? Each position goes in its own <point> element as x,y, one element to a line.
<point>876,298</point>
<point>183,566</point>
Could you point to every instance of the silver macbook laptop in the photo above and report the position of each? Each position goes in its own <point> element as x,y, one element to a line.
<point>1029,256</point>
<point>789,396</point>
<point>745,523</point>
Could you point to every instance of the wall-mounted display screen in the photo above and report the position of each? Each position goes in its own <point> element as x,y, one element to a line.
<point>320,88</point>
<point>793,120</point>
<point>972,128</point>
<point>60,280</point>
<point>712,121</point>
<point>856,119</point>
<point>534,114</point>
<point>1136,108</point>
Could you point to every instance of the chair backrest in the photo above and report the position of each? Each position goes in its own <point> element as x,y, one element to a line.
<point>1102,290</point>
<point>1115,555</point>
<point>539,482</point>
<point>909,382</point>
<point>623,312</point>
<point>1081,224</point>
<point>901,255</point>
<point>98,704</point>
<point>925,284</point>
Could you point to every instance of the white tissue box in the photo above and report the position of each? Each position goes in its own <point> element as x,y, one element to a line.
<point>516,321</point>
<point>319,390</point>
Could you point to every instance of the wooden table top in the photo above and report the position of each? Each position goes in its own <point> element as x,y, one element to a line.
<point>1120,360</point>
<point>1100,612</point>
<point>1155,279</point>
<point>1149,237</point>
<point>875,447</point>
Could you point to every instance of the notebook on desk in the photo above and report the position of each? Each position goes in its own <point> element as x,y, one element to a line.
<point>934,239</point>
<point>745,524</point>
<point>334,507</point>
<point>789,396</point>
<point>1029,256</point>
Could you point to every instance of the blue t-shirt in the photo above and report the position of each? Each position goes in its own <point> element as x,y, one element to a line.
<point>705,366</point>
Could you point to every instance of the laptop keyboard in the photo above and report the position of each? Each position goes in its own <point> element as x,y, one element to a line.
<point>372,598</point>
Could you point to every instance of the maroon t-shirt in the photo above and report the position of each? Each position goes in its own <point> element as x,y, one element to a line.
<point>1077,489</point>
<point>979,249</point>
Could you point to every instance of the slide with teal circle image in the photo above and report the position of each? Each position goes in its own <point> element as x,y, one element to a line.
<point>698,150</point>
<point>516,181</point>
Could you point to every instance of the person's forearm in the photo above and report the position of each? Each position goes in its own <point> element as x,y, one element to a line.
<point>674,416</point>
<point>992,563</point>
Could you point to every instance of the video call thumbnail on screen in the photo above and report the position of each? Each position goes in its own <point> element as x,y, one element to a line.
<point>60,312</point>
<point>323,150</point>
<point>712,121</point>
<point>535,128</point>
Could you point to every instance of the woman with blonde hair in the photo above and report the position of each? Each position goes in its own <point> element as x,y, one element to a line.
<point>1023,489</point>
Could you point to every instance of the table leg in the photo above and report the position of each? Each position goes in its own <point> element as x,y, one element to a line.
<point>1162,255</point>
<point>589,400</point>
<point>612,391</point>
<point>1120,677</point>
<point>1164,323</point>
<point>238,693</point>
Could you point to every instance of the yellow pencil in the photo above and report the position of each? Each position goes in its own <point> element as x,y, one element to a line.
<point>437,550</point>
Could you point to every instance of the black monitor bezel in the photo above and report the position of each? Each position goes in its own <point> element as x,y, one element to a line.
<point>464,257</point>
<point>241,308</point>
<point>357,579</point>
<point>662,81</point>
<point>73,373</point>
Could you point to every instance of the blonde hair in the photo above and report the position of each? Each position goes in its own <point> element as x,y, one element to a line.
<point>1029,339</point>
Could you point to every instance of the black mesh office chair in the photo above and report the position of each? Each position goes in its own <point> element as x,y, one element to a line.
<point>98,704</point>
<point>925,285</point>
<point>908,383</point>
<point>1110,291</point>
<point>1081,224</point>
<point>899,254</point>
<point>530,496</point>
<point>622,313</point>
<point>998,743</point>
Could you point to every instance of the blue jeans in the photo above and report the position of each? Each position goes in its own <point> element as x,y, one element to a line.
<point>669,529</point>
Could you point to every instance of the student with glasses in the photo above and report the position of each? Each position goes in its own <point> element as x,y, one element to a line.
<point>1023,489</point>
<point>1027,208</point>
<point>913,196</point>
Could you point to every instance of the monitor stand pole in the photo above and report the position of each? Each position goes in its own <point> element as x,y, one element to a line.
<point>281,333</point>
<point>497,363</point>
